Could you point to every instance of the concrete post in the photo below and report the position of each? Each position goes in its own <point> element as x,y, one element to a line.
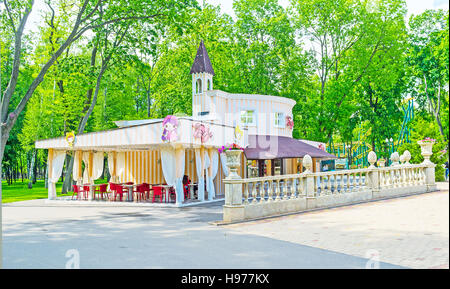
<point>309,183</point>
<point>233,210</point>
<point>373,181</point>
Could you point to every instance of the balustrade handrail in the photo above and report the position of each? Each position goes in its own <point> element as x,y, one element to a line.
<point>321,174</point>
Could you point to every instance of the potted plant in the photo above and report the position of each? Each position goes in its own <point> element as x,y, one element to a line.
<point>233,153</point>
<point>426,148</point>
<point>381,162</point>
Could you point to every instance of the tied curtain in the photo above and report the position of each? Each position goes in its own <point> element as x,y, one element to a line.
<point>214,163</point>
<point>199,160</point>
<point>120,166</point>
<point>97,167</point>
<point>76,172</point>
<point>57,166</point>
<point>86,167</point>
<point>172,163</point>
<point>111,166</point>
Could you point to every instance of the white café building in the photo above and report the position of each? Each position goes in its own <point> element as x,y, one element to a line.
<point>162,151</point>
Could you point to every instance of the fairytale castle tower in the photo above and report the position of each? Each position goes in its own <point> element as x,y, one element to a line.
<point>202,81</point>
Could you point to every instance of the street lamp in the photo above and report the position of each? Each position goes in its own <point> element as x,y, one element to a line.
<point>348,156</point>
<point>390,147</point>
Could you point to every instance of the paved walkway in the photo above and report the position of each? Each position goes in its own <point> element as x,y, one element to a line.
<point>411,231</point>
<point>407,230</point>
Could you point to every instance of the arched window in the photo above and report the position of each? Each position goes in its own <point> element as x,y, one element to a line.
<point>198,86</point>
<point>209,84</point>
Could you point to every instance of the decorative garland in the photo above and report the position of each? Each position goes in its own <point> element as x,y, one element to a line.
<point>289,122</point>
<point>202,132</point>
<point>170,125</point>
<point>70,138</point>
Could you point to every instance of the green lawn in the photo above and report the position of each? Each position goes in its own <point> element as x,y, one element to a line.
<point>19,191</point>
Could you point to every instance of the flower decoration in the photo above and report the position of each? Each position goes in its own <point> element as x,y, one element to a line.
<point>289,122</point>
<point>322,147</point>
<point>230,147</point>
<point>428,140</point>
<point>170,124</point>
<point>202,132</point>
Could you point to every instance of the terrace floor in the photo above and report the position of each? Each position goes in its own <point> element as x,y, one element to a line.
<point>403,232</point>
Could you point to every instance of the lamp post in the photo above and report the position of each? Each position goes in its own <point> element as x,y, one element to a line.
<point>390,148</point>
<point>348,156</point>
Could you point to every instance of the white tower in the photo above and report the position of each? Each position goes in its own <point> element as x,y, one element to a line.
<point>202,81</point>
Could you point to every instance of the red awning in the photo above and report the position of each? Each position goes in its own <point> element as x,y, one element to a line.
<point>267,147</point>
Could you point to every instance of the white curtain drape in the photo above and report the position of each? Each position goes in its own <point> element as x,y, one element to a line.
<point>57,166</point>
<point>214,163</point>
<point>86,165</point>
<point>223,160</point>
<point>111,166</point>
<point>201,179</point>
<point>120,165</point>
<point>97,166</point>
<point>180,155</point>
<point>172,163</point>
<point>76,172</point>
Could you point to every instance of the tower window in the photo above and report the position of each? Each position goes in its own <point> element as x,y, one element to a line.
<point>198,86</point>
<point>209,84</point>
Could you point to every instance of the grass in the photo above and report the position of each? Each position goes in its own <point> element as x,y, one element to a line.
<point>19,191</point>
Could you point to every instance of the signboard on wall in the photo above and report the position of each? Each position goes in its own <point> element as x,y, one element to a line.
<point>340,164</point>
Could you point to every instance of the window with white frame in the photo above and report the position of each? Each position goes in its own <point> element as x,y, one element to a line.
<point>279,119</point>
<point>248,117</point>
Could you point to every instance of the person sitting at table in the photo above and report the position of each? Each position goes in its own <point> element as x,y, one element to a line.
<point>186,183</point>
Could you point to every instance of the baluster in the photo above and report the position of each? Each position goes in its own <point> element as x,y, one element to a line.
<point>254,193</point>
<point>361,181</point>
<point>414,172</point>
<point>262,192</point>
<point>341,184</point>
<point>300,188</point>
<point>285,189</point>
<point>329,190</point>
<point>270,191</point>
<point>277,190</point>
<point>245,193</point>
<point>348,183</point>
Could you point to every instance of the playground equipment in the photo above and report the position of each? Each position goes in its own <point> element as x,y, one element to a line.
<point>356,153</point>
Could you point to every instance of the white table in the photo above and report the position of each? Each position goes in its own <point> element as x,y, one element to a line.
<point>130,191</point>
<point>91,190</point>
<point>165,189</point>
<point>191,191</point>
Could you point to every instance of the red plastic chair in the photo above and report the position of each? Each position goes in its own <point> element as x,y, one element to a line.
<point>157,191</point>
<point>120,190</point>
<point>86,190</point>
<point>140,192</point>
<point>172,194</point>
<point>101,190</point>
<point>146,188</point>
<point>77,190</point>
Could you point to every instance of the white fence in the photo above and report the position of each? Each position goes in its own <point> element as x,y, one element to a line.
<point>276,195</point>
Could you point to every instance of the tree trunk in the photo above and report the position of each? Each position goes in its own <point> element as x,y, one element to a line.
<point>31,171</point>
<point>67,184</point>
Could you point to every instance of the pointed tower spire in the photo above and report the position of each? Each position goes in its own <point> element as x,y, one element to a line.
<point>202,62</point>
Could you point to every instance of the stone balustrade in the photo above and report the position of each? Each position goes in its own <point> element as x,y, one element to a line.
<point>253,198</point>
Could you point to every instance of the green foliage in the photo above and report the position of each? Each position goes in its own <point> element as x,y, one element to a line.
<point>424,127</point>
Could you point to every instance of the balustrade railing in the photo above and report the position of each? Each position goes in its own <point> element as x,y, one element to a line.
<point>273,193</point>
